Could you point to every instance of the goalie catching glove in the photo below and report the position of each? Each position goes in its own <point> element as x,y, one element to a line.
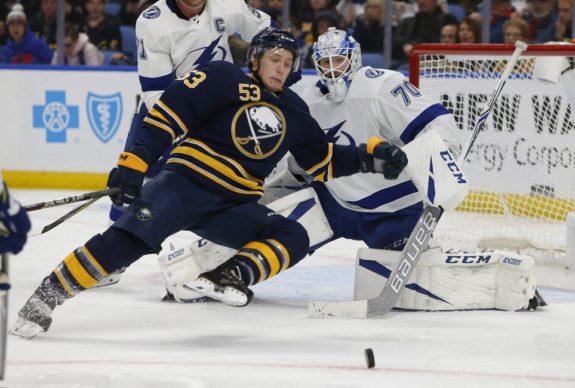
<point>129,175</point>
<point>382,157</point>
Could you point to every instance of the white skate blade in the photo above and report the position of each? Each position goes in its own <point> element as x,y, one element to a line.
<point>26,329</point>
<point>113,278</point>
<point>227,295</point>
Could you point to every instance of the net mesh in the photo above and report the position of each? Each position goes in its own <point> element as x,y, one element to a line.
<point>522,166</point>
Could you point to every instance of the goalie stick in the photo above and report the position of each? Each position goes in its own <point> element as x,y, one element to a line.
<point>480,122</point>
<point>417,242</point>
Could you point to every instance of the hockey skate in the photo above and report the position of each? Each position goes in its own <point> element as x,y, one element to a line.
<point>112,278</point>
<point>223,284</point>
<point>36,316</point>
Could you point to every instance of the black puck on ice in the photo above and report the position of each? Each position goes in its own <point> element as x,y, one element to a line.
<point>369,358</point>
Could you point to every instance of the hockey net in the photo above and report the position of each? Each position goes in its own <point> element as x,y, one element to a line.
<point>522,166</point>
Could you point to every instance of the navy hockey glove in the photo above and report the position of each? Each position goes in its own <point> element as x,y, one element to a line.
<point>129,175</point>
<point>14,223</point>
<point>382,157</point>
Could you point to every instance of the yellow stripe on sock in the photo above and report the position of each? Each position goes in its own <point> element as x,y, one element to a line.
<point>257,263</point>
<point>268,254</point>
<point>79,273</point>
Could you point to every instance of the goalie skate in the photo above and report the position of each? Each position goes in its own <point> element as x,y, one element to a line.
<point>224,285</point>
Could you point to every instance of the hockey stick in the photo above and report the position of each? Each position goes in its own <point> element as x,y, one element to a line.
<point>4,288</point>
<point>387,298</point>
<point>66,216</point>
<point>480,122</point>
<point>73,199</point>
<point>417,242</point>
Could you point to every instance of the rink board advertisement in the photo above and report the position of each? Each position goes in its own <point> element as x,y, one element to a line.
<point>65,121</point>
<point>529,139</point>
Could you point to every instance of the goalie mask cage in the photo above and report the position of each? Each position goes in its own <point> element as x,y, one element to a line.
<point>522,165</point>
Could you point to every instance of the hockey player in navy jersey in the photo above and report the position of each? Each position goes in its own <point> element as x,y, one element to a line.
<point>173,38</point>
<point>234,128</point>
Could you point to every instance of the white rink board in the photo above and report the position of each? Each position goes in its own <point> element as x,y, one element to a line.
<point>51,123</point>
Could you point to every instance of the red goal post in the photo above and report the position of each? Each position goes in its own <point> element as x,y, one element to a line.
<point>522,167</point>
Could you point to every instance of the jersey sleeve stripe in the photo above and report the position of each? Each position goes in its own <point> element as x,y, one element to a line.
<point>420,122</point>
<point>315,170</point>
<point>149,84</point>
<point>173,116</point>
<point>154,112</point>
<point>161,126</point>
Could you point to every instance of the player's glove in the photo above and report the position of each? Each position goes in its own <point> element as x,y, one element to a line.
<point>382,157</point>
<point>14,223</point>
<point>129,175</point>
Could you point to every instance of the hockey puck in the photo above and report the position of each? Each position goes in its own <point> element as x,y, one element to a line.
<point>369,358</point>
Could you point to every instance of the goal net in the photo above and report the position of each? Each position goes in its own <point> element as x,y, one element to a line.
<point>522,167</point>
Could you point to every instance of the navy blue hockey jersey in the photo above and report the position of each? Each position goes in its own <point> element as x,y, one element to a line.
<point>232,132</point>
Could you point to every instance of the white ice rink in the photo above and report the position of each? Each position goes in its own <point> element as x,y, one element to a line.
<point>123,336</point>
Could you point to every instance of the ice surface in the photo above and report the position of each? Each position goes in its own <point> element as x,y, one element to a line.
<point>123,336</point>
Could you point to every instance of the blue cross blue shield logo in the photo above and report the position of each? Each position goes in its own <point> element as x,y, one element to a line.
<point>104,114</point>
<point>55,116</point>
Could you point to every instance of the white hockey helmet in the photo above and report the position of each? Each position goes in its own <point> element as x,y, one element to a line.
<point>336,76</point>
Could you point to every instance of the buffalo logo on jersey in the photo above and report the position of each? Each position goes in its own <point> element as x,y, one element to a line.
<point>258,129</point>
<point>152,12</point>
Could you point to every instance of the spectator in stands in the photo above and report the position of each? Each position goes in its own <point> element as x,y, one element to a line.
<point>23,46</point>
<point>469,31</point>
<point>79,50</point>
<point>102,29</point>
<point>308,17</point>
<point>423,27</point>
<point>369,27</point>
<point>563,30</point>
<point>44,22</point>
<point>515,29</point>
<point>129,13</point>
<point>321,23</point>
<point>541,20</point>
<point>448,34</point>
<point>73,11</point>
<point>501,11</point>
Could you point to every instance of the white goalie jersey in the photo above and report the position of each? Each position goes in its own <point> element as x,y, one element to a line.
<point>171,45</point>
<point>378,103</point>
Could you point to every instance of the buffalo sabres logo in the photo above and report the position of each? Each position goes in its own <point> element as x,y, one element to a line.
<point>104,114</point>
<point>258,129</point>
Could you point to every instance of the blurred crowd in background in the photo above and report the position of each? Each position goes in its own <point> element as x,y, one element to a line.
<point>102,31</point>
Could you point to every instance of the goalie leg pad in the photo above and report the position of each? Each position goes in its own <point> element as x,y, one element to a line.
<point>184,264</point>
<point>448,281</point>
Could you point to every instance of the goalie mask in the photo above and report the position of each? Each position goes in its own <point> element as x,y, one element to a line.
<point>272,37</point>
<point>337,57</point>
